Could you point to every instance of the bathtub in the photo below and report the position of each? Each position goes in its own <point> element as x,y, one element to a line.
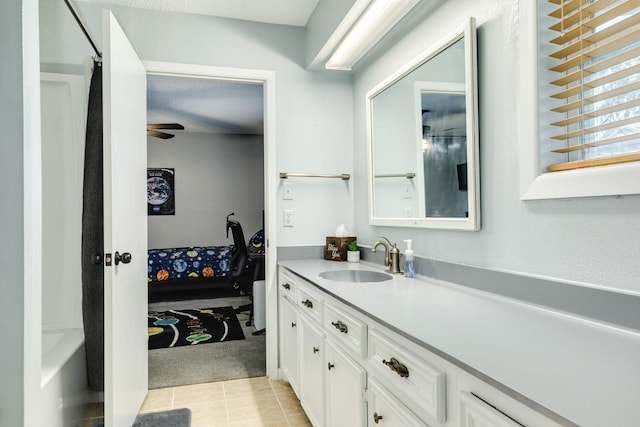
<point>64,391</point>
<point>58,346</point>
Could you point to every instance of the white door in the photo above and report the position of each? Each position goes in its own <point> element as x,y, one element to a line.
<point>125,227</point>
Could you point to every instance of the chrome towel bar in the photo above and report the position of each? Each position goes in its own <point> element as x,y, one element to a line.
<point>343,176</point>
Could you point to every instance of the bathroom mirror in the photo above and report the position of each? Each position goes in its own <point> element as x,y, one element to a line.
<point>423,139</point>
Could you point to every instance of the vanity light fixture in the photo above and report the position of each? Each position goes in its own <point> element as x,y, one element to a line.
<point>376,20</point>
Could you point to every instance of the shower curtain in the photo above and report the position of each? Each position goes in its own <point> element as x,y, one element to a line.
<point>93,236</point>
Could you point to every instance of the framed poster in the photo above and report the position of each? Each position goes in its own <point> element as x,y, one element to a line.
<point>161,191</point>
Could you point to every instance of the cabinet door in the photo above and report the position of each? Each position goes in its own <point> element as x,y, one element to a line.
<point>346,384</point>
<point>312,368</point>
<point>289,343</point>
<point>386,410</point>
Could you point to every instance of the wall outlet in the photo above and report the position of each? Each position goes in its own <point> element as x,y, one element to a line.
<point>287,219</point>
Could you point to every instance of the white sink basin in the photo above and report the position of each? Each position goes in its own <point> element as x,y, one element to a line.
<point>355,276</point>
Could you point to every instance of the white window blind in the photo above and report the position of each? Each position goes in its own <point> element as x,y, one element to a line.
<point>597,64</point>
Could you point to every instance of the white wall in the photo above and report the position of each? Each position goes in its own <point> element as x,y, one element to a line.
<point>20,211</point>
<point>591,241</point>
<point>215,174</point>
<point>314,111</point>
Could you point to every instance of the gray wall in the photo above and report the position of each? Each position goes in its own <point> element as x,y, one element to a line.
<point>591,241</point>
<point>215,174</point>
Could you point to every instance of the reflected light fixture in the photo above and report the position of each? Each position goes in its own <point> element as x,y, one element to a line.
<point>376,20</point>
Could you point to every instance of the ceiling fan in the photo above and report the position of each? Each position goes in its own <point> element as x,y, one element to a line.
<point>152,129</point>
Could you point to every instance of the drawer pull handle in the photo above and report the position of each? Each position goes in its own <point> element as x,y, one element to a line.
<point>376,417</point>
<point>330,365</point>
<point>397,367</point>
<point>315,350</point>
<point>339,325</point>
<point>286,286</point>
<point>293,324</point>
<point>307,303</point>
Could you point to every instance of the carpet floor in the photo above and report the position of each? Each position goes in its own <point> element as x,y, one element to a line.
<point>172,367</point>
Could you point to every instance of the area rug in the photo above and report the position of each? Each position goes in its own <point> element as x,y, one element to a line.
<point>175,328</point>
<point>171,418</point>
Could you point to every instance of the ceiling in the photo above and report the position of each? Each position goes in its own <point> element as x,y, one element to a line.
<point>215,106</point>
<point>284,12</point>
<point>206,105</point>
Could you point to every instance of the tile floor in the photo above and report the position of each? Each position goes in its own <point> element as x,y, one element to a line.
<point>249,402</point>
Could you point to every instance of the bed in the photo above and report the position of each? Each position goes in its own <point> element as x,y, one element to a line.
<point>197,266</point>
<point>189,263</point>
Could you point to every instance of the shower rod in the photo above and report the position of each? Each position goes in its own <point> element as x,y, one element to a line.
<point>83,28</point>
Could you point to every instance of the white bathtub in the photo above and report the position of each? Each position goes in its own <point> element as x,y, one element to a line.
<point>57,349</point>
<point>64,392</point>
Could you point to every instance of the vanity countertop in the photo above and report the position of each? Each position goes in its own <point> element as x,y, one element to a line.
<point>583,370</point>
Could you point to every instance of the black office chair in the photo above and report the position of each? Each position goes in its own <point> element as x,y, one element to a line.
<point>244,269</point>
<point>240,272</point>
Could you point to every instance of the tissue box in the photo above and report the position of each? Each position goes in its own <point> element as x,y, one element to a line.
<point>336,248</point>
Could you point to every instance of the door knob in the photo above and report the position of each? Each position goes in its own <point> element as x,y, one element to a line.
<point>124,258</point>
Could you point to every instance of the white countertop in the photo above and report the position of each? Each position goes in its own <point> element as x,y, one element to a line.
<point>585,371</point>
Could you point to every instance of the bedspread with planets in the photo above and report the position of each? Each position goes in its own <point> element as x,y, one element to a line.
<point>189,262</point>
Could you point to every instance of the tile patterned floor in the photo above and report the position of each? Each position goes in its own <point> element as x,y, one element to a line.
<point>250,402</point>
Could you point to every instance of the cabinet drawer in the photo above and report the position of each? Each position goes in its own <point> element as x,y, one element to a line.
<point>309,301</point>
<point>421,385</point>
<point>286,285</point>
<point>346,328</point>
<point>385,410</point>
<point>476,413</point>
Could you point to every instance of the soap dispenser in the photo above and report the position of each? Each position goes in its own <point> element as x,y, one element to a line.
<point>409,261</point>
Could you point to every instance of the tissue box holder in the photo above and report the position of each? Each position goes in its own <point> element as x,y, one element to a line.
<point>336,248</point>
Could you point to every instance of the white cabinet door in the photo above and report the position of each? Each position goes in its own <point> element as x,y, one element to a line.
<point>312,368</point>
<point>386,411</point>
<point>346,384</point>
<point>289,343</point>
<point>125,226</point>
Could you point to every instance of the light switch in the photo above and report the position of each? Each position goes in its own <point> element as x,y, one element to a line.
<point>407,191</point>
<point>287,191</point>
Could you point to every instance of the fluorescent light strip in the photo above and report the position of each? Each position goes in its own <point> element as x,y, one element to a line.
<point>343,28</point>
<point>376,21</point>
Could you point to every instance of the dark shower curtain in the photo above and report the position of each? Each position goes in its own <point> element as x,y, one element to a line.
<point>93,236</point>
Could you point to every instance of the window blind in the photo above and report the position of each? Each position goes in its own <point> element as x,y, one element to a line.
<point>597,68</point>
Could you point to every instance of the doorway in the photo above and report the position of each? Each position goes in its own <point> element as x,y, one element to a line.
<point>235,142</point>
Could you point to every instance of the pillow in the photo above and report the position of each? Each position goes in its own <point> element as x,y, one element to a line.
<point>256,242</point>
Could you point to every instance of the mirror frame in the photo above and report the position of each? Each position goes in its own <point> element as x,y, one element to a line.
<point>467,31</point>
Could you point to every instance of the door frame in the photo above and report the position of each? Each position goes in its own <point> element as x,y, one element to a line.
<point>267,78</point>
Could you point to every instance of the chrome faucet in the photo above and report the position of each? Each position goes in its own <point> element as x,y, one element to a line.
<point>391,254</point>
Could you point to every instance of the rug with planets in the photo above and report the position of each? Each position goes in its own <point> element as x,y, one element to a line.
<point>173,328</point>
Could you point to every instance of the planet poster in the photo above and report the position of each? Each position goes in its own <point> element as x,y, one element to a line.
<point>161,191</point>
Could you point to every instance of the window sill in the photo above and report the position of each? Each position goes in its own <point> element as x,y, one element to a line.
<point>613,180</point>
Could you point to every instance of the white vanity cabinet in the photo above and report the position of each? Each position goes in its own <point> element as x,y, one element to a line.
<point>330,382</point>
<point>423,352</point>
